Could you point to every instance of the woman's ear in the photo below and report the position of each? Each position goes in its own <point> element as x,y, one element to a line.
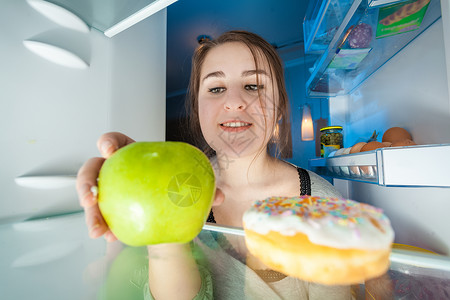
<point>219,198</point>
<point>279,116</point>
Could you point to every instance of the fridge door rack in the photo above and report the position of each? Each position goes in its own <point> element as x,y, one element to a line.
<point>323,19</point>
<point>411,166</point>
<point>340,68</point>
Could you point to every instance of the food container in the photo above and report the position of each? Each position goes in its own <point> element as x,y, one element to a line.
<point>331,139</point>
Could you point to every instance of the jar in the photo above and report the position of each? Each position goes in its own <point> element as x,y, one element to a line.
<point>331,139</point>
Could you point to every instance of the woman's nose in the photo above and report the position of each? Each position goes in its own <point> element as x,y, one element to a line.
<point>234,101</point>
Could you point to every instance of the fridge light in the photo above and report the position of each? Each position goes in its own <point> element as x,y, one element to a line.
<point>138,16</point>
<point>307,124</point>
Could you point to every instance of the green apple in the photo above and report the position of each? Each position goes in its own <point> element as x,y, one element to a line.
<point>127,276</point>
<point>156,192</point>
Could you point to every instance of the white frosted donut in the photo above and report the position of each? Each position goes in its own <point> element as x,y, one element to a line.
<point>325,240</point>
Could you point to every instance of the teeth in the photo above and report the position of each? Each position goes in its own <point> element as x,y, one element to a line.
<point>235,124</point>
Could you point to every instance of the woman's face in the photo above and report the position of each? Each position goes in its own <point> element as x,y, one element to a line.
<point>236,120</point>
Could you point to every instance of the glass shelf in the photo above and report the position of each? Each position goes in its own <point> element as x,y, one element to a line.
<point>413,166</point>
<point>341,67</point>
<point>322,21</point>
<point>379,3</point>
<point>55,259</point>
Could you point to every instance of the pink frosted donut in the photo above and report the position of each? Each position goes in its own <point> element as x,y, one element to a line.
<point>315,238</point>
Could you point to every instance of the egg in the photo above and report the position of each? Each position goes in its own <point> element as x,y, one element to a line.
<point>402,143</point>
<point>395,134</point>
<point>346,151</point>
<point>357,147</point>
<point>354,170</point>
<point>338,153</point>
<point>372,146</point>
<point>370,171</point>
<point>345,169</point>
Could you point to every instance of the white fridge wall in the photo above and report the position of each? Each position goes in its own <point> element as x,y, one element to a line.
<point>51,116</point>
<point>410,91</point>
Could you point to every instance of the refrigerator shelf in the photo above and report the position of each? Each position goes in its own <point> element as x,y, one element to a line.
<point>399,256</point>
<point>412,166</point>
<point>323,20</point>
<point>378,3</point>
<point>340,67</point>
<point>46,182</point>
<point>39,251</point>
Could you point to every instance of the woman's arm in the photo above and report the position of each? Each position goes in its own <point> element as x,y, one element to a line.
<point>173,272</point>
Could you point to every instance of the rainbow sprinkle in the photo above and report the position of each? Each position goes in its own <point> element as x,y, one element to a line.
<point>342,212</point>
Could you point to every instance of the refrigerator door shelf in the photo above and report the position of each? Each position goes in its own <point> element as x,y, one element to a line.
<point>359,30</point>
<point>323,21</point>
<point>412,166</point>
<point>379,3</point>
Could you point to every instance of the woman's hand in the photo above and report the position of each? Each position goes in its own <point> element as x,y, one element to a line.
<point>87,184</point>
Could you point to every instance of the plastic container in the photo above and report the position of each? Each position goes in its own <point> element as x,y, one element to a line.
<point>331,139</point>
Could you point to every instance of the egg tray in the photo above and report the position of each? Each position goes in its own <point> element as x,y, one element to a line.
<point>419,165</point>
<point>358,166</point>
<point>357,172</point>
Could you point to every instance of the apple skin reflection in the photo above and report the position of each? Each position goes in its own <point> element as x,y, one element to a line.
<point>127,276</point>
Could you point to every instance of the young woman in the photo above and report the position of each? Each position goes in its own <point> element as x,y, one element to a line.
<point>238,111</point>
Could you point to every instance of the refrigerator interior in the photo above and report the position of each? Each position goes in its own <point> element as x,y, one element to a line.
<point>48,253</point>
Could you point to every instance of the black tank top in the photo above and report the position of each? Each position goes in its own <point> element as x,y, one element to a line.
<point>305,189</point>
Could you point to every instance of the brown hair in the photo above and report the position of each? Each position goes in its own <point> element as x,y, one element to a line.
<point>259,48</point>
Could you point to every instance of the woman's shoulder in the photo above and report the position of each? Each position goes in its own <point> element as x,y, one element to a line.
<point>321,187</point>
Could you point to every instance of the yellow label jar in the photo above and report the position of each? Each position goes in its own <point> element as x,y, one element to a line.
<point>331,139</point>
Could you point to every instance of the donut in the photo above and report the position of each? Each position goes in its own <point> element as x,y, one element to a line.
<point>329,241</point>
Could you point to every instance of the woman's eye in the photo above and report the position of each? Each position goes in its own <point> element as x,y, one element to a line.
<point>217,90</point>
<point>254,87</point>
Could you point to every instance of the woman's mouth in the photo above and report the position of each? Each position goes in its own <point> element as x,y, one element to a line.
<point>235,126</point>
